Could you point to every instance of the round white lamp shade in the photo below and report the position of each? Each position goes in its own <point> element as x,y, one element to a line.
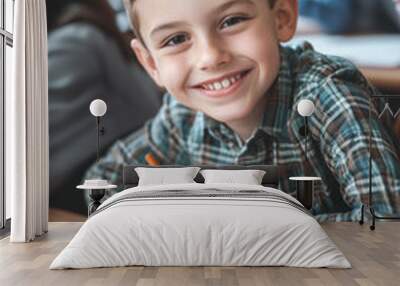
<point>305,107</point>
<point>98,107</point>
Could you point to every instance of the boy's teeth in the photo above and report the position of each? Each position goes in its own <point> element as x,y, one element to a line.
<point>217,85</point>
<point>227,82</point>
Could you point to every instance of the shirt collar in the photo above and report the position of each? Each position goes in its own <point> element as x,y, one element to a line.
<point>220,130</point>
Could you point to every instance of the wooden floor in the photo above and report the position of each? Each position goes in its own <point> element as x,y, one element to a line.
<point>374,255</point>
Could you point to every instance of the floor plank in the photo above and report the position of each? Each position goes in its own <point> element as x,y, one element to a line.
<point>374,255</point>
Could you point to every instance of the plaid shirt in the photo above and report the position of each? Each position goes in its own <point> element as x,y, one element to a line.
<point>338,144</point>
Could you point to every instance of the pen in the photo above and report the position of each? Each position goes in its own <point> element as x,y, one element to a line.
<point>151,160</point>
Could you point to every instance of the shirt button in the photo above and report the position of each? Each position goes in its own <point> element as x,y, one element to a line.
<point>231,144</point>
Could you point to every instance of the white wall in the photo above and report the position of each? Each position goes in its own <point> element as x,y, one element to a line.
<point>9,26</point>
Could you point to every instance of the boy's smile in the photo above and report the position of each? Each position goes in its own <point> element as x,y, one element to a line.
<point>223,84</point>
<point>215,56</point>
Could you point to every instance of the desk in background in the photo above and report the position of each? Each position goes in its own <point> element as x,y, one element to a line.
<point>377,56</point>
<point>386,80</point>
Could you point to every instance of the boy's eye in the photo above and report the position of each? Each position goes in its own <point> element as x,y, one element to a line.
<point>175,40</point>
<point>232,21</point>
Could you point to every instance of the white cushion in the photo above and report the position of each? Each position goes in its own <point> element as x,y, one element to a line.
<point>248,177</point>
<point>161,176</point>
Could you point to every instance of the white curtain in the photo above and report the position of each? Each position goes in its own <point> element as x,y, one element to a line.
<point>27,151</point>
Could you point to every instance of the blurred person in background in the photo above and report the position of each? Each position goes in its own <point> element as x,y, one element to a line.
<point>120,16</point>
<point>353,16</point>
<point>89,58</point>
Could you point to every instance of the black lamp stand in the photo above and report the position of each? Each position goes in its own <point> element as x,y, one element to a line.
<point>370,206</point>
<point>98,137</point>
<point>100,131</point>
<point>306,134</point>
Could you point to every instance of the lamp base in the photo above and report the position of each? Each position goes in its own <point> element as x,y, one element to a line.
<point>305,190</point>
<point>305,193</point>
<point>95,196</point>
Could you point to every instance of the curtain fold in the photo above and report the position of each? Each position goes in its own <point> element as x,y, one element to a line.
<point>27,151</point>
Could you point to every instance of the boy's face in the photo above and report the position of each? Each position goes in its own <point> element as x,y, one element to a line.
<point>214,56</point>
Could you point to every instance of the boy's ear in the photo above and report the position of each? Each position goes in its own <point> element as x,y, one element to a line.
<point>146,60</point>
<point>286,14</point>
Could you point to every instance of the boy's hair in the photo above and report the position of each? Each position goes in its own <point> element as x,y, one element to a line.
<point>133,17</point>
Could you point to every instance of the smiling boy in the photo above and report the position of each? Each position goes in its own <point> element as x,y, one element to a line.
<point>232,97</point>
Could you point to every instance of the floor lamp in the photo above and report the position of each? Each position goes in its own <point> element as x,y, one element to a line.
<point>97,187</point>
<point>370,205</point>
<point>305,108</point>
<point>305,184</point>
<point>98,108</point>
